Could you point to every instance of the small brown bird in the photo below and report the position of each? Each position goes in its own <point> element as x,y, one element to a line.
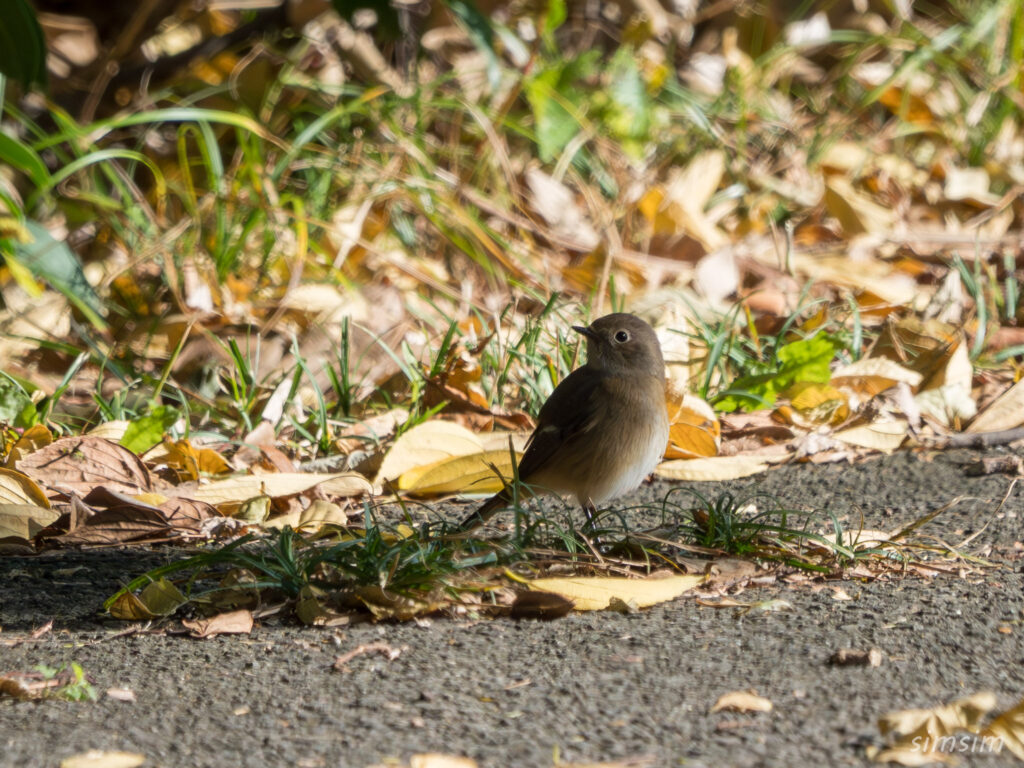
<point>604,428</point>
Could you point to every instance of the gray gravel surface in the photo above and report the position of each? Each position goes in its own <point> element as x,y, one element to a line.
<point>587,687</point>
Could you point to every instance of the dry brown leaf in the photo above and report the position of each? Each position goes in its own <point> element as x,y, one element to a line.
<point>595,593</point>
<point>1005,412</point>
<point>962,714</point>
<point>742,701</point>
<point>857,213</point>
<point>119,525</point>
<point>158,598</point>
<point>79,464</point>
<point>388,605</point>
<point>230,623</point>
<point>24,521</point>
<point>540,605</point>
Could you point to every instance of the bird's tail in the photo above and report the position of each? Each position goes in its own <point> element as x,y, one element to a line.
<point>486,510</point>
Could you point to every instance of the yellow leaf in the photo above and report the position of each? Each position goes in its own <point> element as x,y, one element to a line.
<point>425,444</point>
<point>470,474</point>
<point>1008,728</point>
<point>314,517</point>
<point>194,462</point>
<point>32,439</point>
<point>869,376</point>
<point>595,594</point>
<point>18,488</point>
<point>96,758</point>
<point>818,403</point>
<point>159,598</point>
<point>742,701</point>
<point>884,436</point>
<point>713,468</point>
<point>694,430</point>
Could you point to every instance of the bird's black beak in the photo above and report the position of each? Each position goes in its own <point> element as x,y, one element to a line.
<point>586,331</point>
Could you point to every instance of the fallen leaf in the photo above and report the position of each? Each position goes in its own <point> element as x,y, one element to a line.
<point>484,472</point>
<point>711,469</point>
<point>312,518</point>
<point>595,593</point>
<point>235,490</point>
<point>913,733</point>
<point>1009,729</point>
<point>742,701</point>
<point>540,605</point>
<point>426,444</point>
<point>17,488</point>
<point>230,623</point>
<point>852,657</point>
<point>158,598</point>
<point>25,520</point>
<point>883,436</point>
<point>79,464</point>
<point>1005,412</point>
<point>437,760</point>
<point>694,430</point>
<point>96,758</point>
<point>32,439</point>
<point>190,462</point>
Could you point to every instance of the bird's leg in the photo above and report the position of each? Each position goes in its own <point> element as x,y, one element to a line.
<point>590,510</point>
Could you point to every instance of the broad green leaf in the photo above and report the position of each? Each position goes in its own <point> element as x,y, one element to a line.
<point>145,432</point>
<point>16,407</point>
<point>806,360</point>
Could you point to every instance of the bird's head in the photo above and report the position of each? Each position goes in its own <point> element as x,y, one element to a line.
<point>621,342</point>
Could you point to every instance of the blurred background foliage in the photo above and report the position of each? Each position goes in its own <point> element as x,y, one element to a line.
<point>352,205</point>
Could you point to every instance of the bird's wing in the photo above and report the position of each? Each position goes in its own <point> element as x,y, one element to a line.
<point>567,413</point>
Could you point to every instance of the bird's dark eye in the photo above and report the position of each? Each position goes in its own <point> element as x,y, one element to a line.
<point>622,336</point>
